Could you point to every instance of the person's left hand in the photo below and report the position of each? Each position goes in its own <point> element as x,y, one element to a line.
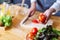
<point>48,14</point>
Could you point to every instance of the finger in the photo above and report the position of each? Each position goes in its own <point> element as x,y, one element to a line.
<point>32,13</point>
<point>45,21</point>
<point>47,18</point>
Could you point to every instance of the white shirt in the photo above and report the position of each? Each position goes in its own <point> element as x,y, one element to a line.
<point>33,1</point>
<point>56,5</point>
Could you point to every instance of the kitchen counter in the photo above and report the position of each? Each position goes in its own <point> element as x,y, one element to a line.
<point>19,33</point>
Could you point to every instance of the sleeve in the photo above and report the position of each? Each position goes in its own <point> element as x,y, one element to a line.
<point>33,1</point>
<point>56,5</point>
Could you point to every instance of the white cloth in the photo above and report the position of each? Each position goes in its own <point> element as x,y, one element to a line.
<point>56,5</point>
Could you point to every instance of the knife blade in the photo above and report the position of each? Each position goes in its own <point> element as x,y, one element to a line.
<point>25,19</point>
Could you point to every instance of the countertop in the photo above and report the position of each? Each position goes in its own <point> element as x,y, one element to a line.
<point>19,33</point>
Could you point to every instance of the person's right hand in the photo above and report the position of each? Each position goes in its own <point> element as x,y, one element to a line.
<point>48,14</point>
<point>31,11</point>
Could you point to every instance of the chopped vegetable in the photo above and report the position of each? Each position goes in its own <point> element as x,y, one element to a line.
<point>34,31</point>
<point>54,39</point>
<point>35,21</point>
<point>47,33</point>
<point>41,19</point>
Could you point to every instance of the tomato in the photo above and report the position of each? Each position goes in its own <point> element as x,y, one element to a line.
<point>35,21</point>
<point>34,31</point>
<point>32,34</point>
<point>42,18</point>
<point>40,14</point>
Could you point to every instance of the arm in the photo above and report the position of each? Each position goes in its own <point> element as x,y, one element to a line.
<point>54,8</point>
<point>32,8</point>
<point>33,4</point>
<point>56,5</point>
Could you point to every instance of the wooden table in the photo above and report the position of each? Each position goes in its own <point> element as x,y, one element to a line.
<point>19,33</point>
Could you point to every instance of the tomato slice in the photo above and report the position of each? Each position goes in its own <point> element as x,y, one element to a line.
<point>35,21</point>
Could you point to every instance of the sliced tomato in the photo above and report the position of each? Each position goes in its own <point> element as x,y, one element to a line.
<point>35,21</point>
<point>34,31</point>
<point>42,18</point>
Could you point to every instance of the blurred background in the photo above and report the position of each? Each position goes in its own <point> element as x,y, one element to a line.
<point>20,1</point>
<point>16,1</point>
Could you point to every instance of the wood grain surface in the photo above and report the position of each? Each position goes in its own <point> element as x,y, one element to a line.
<point>19,33</point>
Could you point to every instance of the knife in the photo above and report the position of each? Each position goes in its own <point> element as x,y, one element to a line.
<point>25,19</point>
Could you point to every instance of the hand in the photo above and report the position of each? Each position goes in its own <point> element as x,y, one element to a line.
<point>31,11</point>
<point>48,14</point>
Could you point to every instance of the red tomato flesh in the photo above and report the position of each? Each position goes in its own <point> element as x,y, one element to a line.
<point>42,18</point>
<point>35,21</point>
<point>32,34</point>
<point>34,31</point>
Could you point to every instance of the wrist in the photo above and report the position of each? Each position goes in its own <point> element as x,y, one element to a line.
<point>51,10</point>
<point>33,5</point>
<point>33,8</point>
